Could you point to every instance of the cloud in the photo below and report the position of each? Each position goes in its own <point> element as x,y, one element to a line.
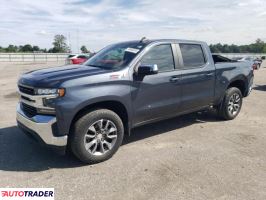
<point>43,32</point>
<point>97,23</point>
<point>262,14</point>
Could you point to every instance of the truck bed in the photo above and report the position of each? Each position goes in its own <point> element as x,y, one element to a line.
<point>221,59</point>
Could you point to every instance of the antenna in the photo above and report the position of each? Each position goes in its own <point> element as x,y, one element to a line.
<point>143,40</point>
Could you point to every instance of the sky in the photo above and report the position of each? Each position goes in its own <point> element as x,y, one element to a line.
<point>97,23</point>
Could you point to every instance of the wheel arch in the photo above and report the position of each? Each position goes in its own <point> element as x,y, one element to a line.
<point>241,83</point>
<point>116,106</point>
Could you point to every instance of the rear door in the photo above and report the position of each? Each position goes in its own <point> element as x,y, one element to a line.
<point>198,76</point>
<point>157,96</point>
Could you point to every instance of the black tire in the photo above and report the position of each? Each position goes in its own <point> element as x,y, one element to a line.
<point>81,128</point>
<point>224,111</point>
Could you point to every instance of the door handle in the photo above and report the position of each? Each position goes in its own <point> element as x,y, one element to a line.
<point>174,79</point>
<point>209,75</point>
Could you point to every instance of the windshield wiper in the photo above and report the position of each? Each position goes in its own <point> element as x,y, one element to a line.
<point>96,66</point>
<point>99,66</point>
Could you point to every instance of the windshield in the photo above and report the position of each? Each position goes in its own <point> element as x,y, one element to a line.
<point>71,55</point>
<point>116,56</point>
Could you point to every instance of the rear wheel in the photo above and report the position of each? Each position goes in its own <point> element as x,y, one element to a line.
<point>97,136</point>
<point>231,104</point>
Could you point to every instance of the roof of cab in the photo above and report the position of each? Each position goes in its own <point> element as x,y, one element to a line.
<point>148,41</point>
<point>176,40</point>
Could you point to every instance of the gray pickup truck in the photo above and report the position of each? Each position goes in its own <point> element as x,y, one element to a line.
<point>90,107</point>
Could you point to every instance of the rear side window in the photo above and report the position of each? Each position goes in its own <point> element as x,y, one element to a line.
<point>192,55</point>
<point>161,55</point>
<point>81,56</point>
<point>70,56</point>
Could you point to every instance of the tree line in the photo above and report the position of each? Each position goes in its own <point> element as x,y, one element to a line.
<point>258,47</point>
<point>60,46</point>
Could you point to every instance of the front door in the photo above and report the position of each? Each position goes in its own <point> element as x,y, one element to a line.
<point>159,95</point>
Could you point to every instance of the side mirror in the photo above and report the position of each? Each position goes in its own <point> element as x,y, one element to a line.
<point>147,69</point>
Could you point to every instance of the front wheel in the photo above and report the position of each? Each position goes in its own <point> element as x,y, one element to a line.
<point>97,135</point>
<point>231,104</point>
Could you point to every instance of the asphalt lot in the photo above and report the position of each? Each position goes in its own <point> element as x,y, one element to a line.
<point>196,156</point>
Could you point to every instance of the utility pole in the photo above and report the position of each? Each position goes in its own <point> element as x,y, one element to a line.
<point>78,40</point>
<point>69,43</point>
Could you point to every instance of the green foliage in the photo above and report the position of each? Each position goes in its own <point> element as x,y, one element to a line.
<point>264,49</point>
<point>258,47</point>
<point>35,48</point>
<point>27,48</point>
<point>84,49</point>
<point>22,48</point>
<point>11,48</point>
<point>60,45</point>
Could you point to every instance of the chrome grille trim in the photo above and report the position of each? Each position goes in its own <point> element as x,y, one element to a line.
<point>32,102</point>
<point>26,89</point>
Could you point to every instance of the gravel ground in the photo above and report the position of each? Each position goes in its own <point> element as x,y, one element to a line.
<point>195,156</point>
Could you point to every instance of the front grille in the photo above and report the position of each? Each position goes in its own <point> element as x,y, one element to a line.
<point>26,98</point>
<point>26,90</point>
<point>28,110</point>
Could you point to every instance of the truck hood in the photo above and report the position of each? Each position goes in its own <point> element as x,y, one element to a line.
<point>53,77</point>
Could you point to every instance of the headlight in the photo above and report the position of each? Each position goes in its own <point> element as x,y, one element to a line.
<point>45,91</point>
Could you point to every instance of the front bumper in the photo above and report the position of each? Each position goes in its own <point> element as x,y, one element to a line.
<point>40,127</point>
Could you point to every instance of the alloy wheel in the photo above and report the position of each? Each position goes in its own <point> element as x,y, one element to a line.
<point>234,104</point>
<point>100,137</point>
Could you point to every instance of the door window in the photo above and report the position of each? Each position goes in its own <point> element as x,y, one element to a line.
<point>160,55</point>
<point>192,55</point>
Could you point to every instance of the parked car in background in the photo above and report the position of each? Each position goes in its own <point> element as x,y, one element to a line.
<point>78,58</point>
<point>254,61</point>
<point>68,61</point>
<point>258,60</point>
